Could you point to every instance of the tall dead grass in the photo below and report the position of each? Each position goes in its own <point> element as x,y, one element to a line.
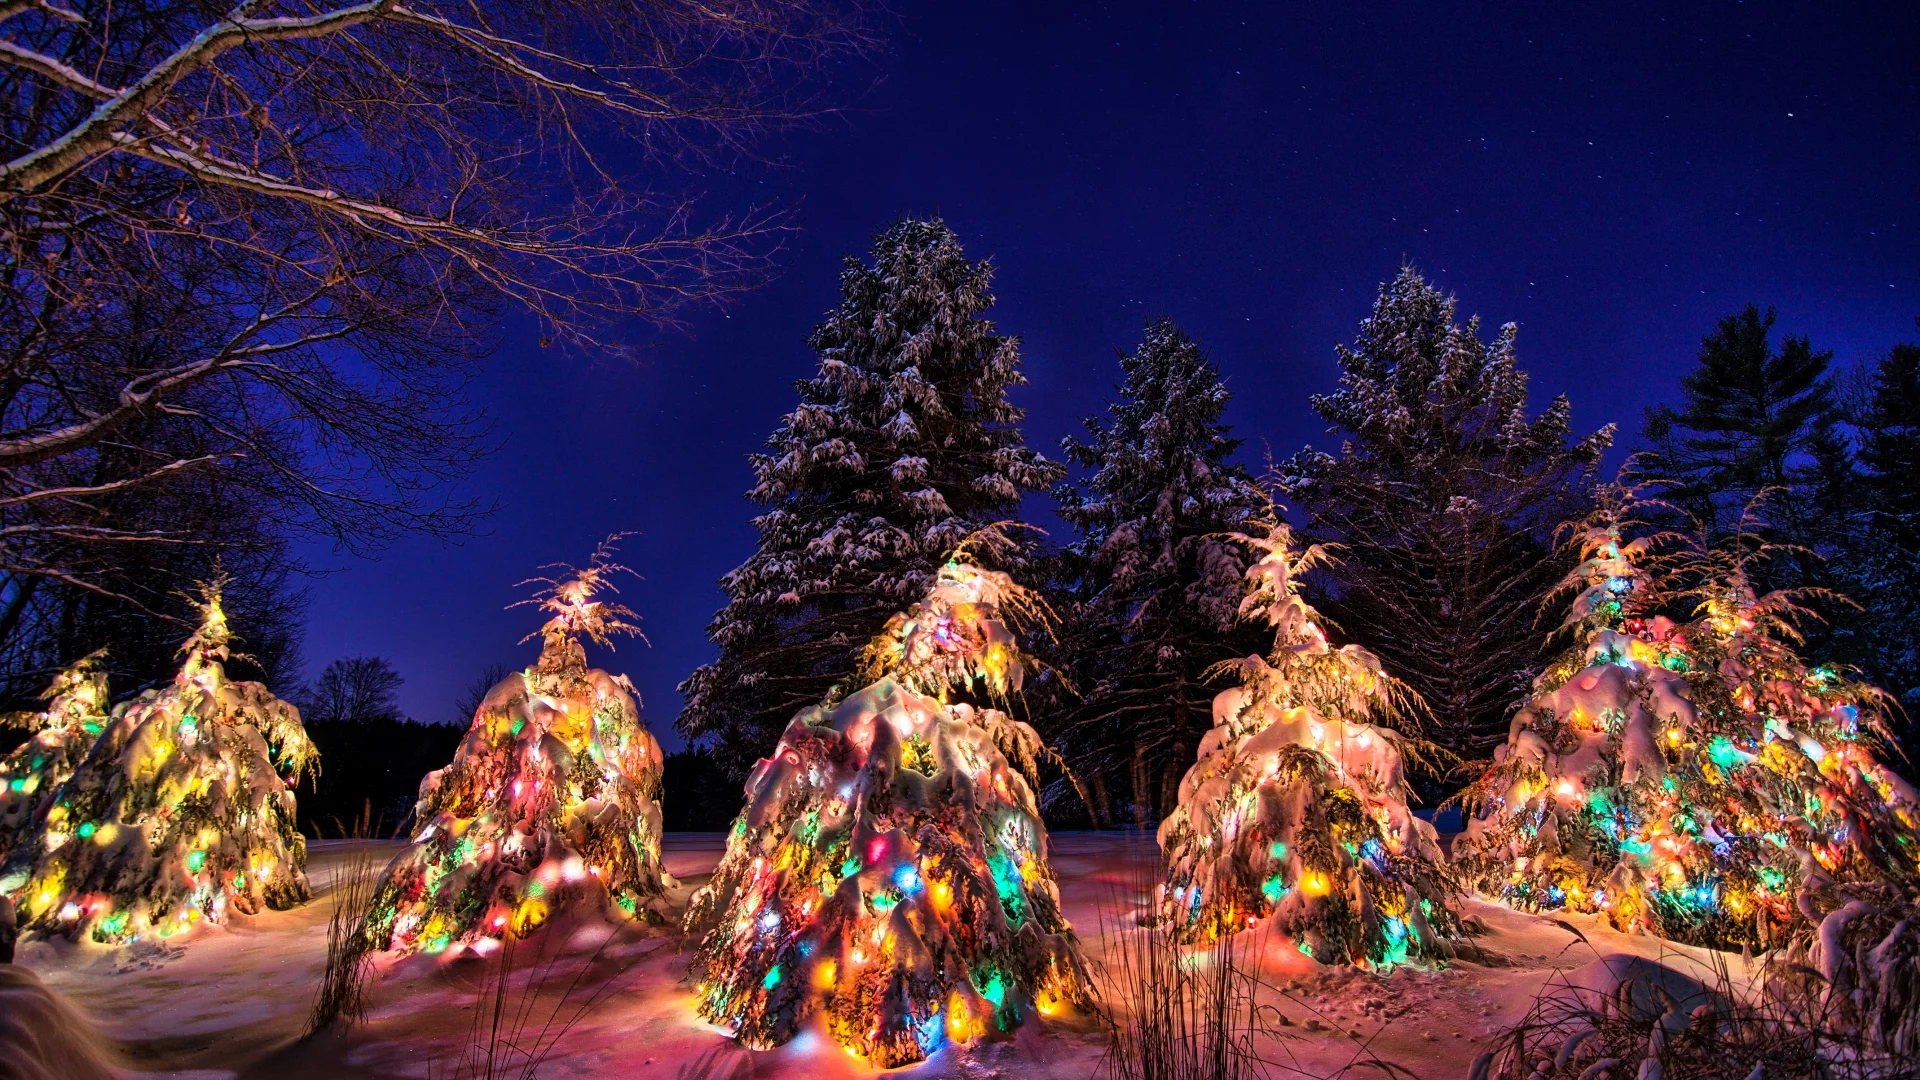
<point>525,1006</point>
<point>1177,1012</point>
<point>342,995</point>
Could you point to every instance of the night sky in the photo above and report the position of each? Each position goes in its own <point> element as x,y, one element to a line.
<point>1612,177</point>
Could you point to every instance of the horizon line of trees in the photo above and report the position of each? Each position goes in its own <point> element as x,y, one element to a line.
<point>1444,498</point>
<point>1444,495</point>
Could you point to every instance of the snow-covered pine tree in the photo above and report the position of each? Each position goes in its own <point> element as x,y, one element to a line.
<point>550,805</point>
<point>179,812</point>
<point>903,444</point>
<point>1444,496</point>
<point>890,877</point>
<point>61,735</point>
<point>1297,808</point>
<point>1696,778</point>
<point>1153,585</point>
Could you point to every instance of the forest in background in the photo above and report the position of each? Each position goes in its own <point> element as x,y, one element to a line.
<point>1445,498</point>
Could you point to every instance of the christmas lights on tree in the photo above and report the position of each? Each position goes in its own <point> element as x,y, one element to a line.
<point>550,804</point>
<point>1693,779</point>
<point>1296,811</point>
<point>182,810</point>
<point>61,734</point>
<point>891,872</point>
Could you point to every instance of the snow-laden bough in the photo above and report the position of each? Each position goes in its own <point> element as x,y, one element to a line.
<point>181,811</point>
<point>1296,811</point>
<point>891,871</point>
<point>550,804</point>
<point>60,736</point>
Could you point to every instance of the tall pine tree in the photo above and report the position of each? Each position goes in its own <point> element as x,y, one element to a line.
<point>1753,418</point>
<point>1445,495</point>
<point>1890,438</point>
<point>903,444</point>
<point>1155,588</point>
<point>1880,568</point>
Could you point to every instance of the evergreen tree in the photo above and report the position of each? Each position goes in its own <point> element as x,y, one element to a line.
<point>551,804</point>
<point>1752,417</point>
<point>891,873</point>
<point>178,814</point>
<point>1154,585</point>
<point>1698,779</point>
<point>1444,494</point>
<point>1890,437</point>
<point>1296,811</point>
<point>903,444</point>
<point>1880,569</point>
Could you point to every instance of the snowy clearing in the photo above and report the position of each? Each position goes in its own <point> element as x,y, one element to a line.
<point>233,1002</point>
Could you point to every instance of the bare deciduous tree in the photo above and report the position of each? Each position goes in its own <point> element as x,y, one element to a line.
<point>266,239</point>
<point>468,703</point>
<point>353,690</point>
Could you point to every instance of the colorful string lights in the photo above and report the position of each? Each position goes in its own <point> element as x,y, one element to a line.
<point>550,803</point>
<point>181,811</point>
<point>891,869</point>
<point>1296,811</point>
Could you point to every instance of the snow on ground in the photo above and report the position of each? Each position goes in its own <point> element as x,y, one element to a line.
<point>231,1003</point>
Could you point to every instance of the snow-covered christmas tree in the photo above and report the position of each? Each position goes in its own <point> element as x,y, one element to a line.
<point>1297,810</point>
<point>61,734</point>
<point>891,872</point>
<point>551,802</point>
<point>1695,779</point>
<point>904,443</point>
<point>181,811</point>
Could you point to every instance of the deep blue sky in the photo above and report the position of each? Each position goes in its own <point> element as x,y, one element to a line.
<point>1611,176</point>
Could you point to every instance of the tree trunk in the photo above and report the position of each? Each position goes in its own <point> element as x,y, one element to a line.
<point>1142,793</point>
<point>23,590</point>
<point>1086,799</point>
<point>1170,780</point>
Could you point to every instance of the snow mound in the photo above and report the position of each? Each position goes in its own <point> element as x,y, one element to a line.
<point>42,1037</point>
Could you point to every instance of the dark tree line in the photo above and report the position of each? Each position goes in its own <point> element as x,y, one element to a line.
<point>372,756</point>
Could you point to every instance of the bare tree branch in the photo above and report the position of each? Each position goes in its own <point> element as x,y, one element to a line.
<point>251,252</point>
